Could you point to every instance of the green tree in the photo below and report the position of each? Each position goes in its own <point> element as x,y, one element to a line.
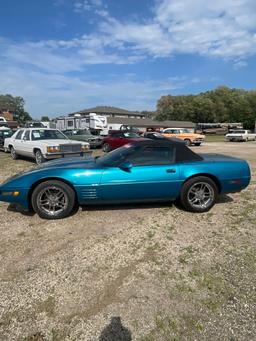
<point>222,104</point>
<point>45,119</point>
<point>15,104</point>
<point>165,108</point>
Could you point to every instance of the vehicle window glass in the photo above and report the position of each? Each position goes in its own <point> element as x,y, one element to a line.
<point>130,135</point>
<point>152,156</point>
<point>47,134</point>
<point>239,132</point>
<point>117,156</point>
<point>116,134</point>
<point>83,132</point>
<point>7,133</point>
<point>18,136</point>
<point>26,135</point>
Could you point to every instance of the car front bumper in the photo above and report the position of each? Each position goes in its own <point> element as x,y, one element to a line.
<point>51,156</point>
<point>7,195</point>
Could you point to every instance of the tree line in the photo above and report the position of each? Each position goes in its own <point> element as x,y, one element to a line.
<point>216,106</point>
<point>223,104</point>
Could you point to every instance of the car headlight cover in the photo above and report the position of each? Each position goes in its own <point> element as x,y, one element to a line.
<point>53,149</point>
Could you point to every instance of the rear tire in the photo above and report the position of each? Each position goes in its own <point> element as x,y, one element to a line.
<point>187,142</point>
<point>14,155</point>
<point>53,199</point>
<point>198,194</point>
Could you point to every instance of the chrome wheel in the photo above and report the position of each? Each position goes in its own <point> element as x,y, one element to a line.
<point>52,200</point>
<point>201,195</point>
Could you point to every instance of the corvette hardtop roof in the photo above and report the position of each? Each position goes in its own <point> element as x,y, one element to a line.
<point>183,153</point>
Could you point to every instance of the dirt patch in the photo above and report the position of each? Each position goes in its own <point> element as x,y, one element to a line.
<point>168,274</point>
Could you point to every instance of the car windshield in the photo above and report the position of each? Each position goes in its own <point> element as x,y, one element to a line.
<point>116,156</point>
<point>238,132</point>
<point>47,134</point>
<point>82,132</point>
<point>130,134</point>
<point>7,133</point>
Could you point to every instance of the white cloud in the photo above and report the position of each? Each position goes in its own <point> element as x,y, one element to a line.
<point>224,29</point>
<point>40,70</point>
<point>54,94</point>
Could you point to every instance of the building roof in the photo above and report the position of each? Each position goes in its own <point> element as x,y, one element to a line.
<point>147,122</point>
<point>107,110</point>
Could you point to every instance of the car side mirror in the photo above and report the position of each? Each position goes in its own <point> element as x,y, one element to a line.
<point>126,166</point>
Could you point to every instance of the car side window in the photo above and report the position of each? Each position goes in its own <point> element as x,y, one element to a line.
<point>19,134</point>
<point>27,135</point>
<point>117,134</point>
<point>152,156</point>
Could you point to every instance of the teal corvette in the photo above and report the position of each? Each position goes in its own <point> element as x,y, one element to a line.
<point>147,170</point>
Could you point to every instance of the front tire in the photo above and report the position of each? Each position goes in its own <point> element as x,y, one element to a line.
<point>14,155</point>
<point>198,194</point>
<point>39,157</point>
<point>53,199</point>
<point>187,142</point>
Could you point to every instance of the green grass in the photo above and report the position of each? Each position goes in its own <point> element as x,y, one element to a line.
<point>214,138</point>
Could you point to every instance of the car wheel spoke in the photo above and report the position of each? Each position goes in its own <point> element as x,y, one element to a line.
<point>201,195</point>
<point>52,200</point>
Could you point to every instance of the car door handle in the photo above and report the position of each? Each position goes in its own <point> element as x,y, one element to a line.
<point>171,170</point>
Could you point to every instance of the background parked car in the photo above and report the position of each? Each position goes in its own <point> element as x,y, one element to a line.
<point>4,133</point>
<point>154,136</point>
<point>241,135</point>
<point>43,144</point>
<point>118,138</point>
<point>185,135</point>
<point>84,135</point>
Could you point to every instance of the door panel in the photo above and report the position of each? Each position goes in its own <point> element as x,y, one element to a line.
<point>140,183</point>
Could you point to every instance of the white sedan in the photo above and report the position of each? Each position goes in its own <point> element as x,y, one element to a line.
<point>43,144</point>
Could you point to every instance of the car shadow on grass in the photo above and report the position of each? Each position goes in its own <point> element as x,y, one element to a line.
<point>131,206</point>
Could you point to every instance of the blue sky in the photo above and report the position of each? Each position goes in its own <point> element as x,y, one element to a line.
<point>66,55</point>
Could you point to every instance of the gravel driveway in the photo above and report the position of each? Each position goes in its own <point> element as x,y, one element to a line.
<point>144,272</point>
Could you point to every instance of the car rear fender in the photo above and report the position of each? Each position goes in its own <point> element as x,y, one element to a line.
<point>211,176</point>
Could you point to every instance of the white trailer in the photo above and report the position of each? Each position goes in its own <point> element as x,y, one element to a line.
<point>91,121</point>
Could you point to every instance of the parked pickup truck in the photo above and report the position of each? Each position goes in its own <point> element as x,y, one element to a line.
<point>241,135</point>
<point>43,144</point>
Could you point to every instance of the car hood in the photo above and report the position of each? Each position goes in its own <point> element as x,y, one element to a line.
<point>69,163</point>
<point>78,162</point>
<point>59,141</point>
